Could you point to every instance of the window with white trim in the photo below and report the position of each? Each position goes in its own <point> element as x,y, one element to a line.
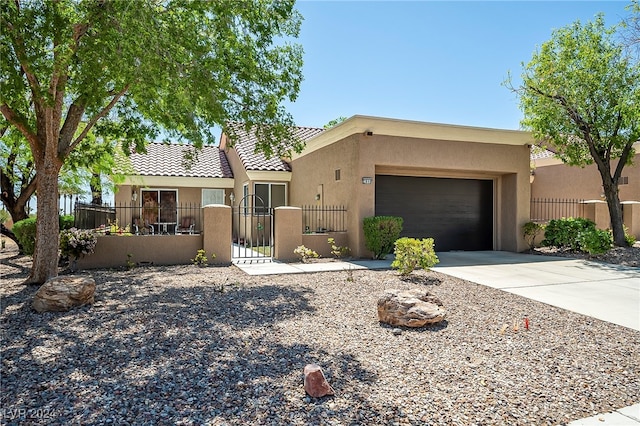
<point>212,196</point>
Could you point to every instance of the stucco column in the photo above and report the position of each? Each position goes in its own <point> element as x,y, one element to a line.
<point>631,216</point>
<point>287,232</point>
<point>217,232</point>
<point>598,212</point>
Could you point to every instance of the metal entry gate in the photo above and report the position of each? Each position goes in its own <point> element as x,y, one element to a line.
<point>252,230</point>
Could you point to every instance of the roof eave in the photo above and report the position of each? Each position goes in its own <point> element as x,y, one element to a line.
<point>360,124</point>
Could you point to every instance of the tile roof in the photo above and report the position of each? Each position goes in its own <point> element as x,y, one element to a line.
<point>538,153</point>
<point>245,146</point>
<point>168,160</point>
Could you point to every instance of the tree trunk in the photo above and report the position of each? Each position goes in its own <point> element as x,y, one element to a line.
<point>96,188</point>
<point>45,256</point>
<point>615,213</point>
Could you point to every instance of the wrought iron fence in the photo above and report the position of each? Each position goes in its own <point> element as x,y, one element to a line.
<point>138,220</point>
<point>545,209</point>
<point>324,219</point>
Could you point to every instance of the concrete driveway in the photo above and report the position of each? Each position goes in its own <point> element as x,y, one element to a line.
<point>607,292</point>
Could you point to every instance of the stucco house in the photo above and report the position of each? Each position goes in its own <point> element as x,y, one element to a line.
<point>158,181</point>
<point>552,178</point>
<point>467,187</point>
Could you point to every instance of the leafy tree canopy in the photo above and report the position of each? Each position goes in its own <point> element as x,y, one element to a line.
<point>580,93</point>
<point>130,69</point>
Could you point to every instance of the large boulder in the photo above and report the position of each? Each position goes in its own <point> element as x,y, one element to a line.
<point>62,293</point>
<point>315,384</point>
<point>410,308</point>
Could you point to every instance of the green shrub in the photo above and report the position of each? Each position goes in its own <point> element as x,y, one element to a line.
<point>305,253</point>
<point>595,241</point>
<point>565,233</point>
<point>338,251</point>
<point>630,238</point>
<point>531,230</point>
<point>577,234</point>
<point>25,232</point>
<point>412,253</point>
<point>201,258</point>
<point>66,221</point>
<point>77,242</point>
<point>380,233</point>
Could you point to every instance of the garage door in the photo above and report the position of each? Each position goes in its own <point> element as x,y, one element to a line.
<point>456,213</point>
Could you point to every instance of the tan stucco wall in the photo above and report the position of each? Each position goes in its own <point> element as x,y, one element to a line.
<point>111,251</point>
<point>359,156</point>
<point>561,181</point>
<point>217,233</point>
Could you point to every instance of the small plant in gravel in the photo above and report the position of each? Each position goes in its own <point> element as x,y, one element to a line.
<point>130,263</point>
<point>338,251</point>
<point>305,253</point>
<point>350,277</point>
<point>629,238</point>
<point>531,230</point>
<point>412,253</point>
<point>201,258</point>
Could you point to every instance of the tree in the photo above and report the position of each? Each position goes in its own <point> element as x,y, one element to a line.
<point>631,27</point>
<point>334,122</point>
<point>581,94</point>
<point>131,69</point>
<point>18,175</point>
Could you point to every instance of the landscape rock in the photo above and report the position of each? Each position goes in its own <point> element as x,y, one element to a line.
<point>315,384</point>
<point>62,293</point>
<point>410,308</point>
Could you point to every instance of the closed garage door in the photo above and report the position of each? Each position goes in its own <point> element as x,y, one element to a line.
<point>456,213</point>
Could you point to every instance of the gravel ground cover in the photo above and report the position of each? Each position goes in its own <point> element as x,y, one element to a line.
<point>184,345</point>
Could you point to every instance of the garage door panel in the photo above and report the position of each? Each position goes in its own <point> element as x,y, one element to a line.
<point>456,213</point>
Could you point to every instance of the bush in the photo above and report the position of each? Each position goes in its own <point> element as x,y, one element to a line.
<point>201,258</point>
<point>66,221</point>
<point>305,253</point>
<point>338,251</point>
<point>77,242</point>
<point>629,238</point>
<point>565,233</point>
<point>380,233</point>
<point>25,232</point>
<point>577,234</point>
<point>531,230</point>
<point>595,241</point>
<point>412,253</point>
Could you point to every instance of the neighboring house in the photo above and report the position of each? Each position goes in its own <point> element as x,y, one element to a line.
<point>553,179</point>
<point>157,182</point>
<point>466,187</point>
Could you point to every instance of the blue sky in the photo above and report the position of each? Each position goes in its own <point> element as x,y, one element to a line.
<point>430,61</point>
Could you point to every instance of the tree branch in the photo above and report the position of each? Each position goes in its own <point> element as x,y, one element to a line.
<point>71,122</point>
<point>624,157</point>
<point>19,122</point>
<point>95,119</point>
